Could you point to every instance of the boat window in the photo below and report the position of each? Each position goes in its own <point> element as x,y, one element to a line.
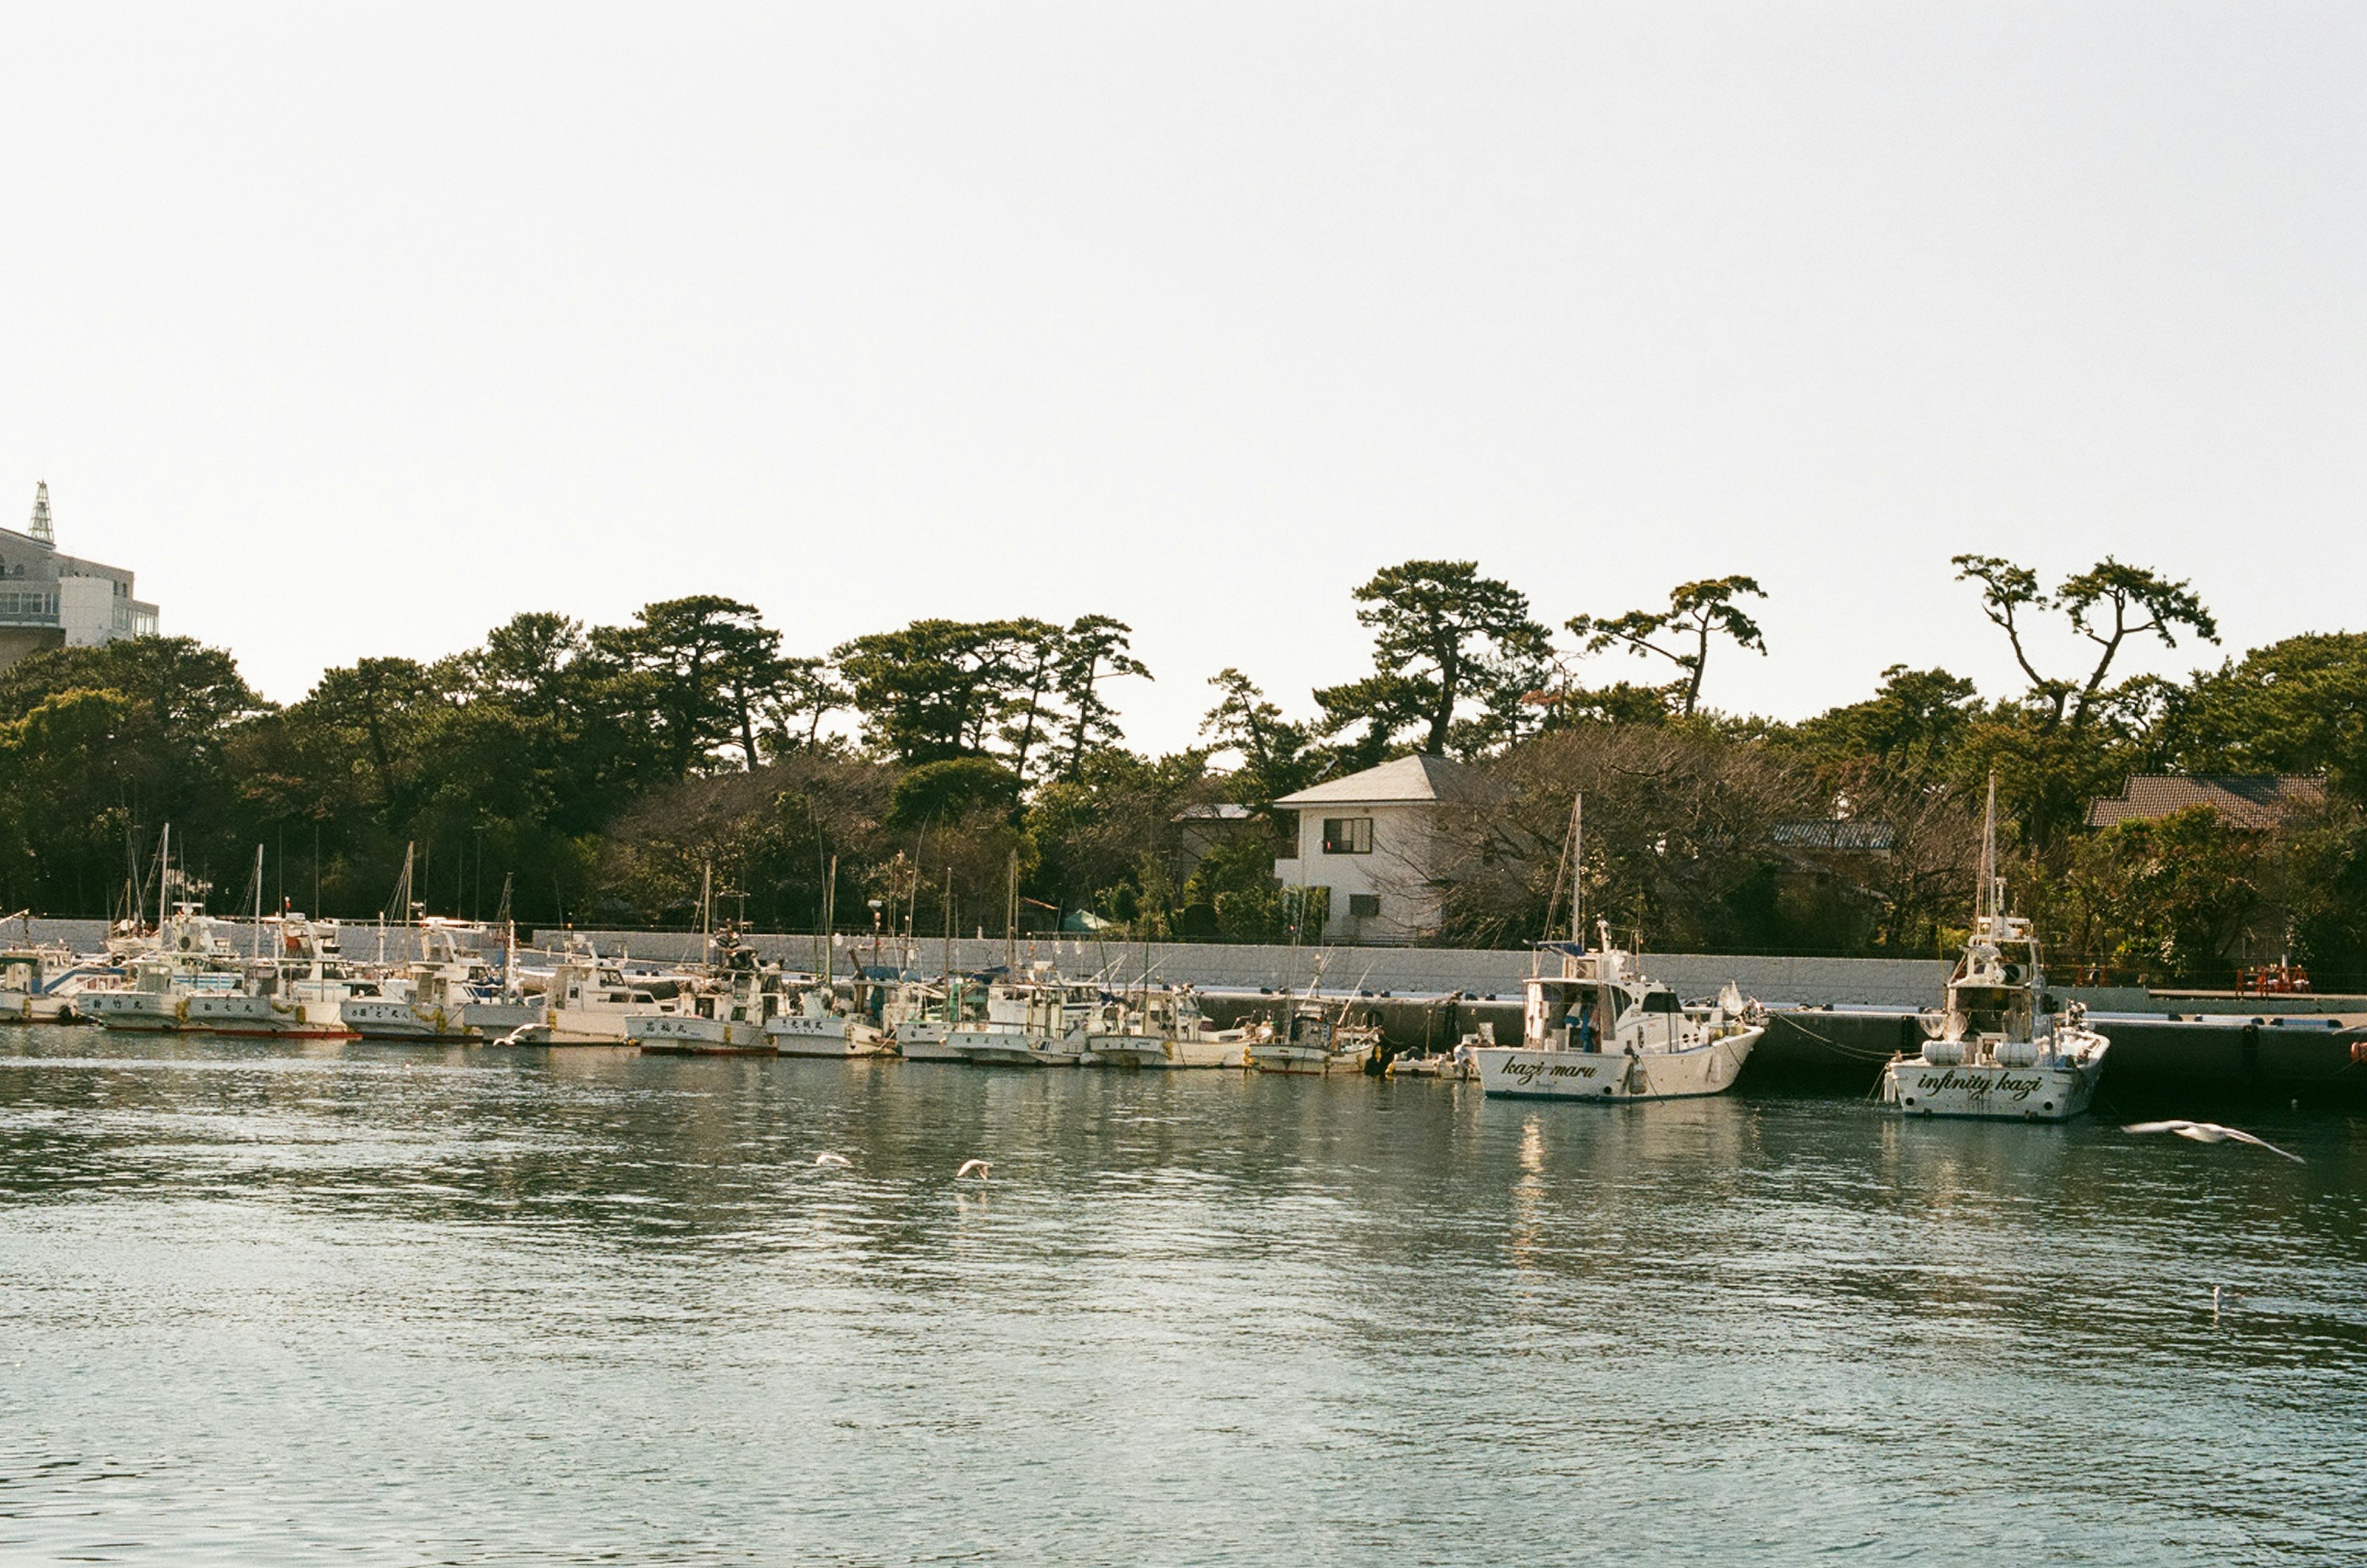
<point>1662,1001</point>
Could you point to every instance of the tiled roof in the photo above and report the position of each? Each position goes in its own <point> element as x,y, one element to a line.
<point>2244,800</point>
<point>1214,811</point>
<point>1407,779</point>
<point>1834,833</point>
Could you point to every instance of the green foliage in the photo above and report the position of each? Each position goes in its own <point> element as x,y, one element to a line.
<point>1908,730</point>
<point>1278,757</point>
<point>2167,900</point>
<point>1453,653</point>
<point>951,790</point>
<point>1681,634</point>
<point>606,769</point>
<point>2296,707</point>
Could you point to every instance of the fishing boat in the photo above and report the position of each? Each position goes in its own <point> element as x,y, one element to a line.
<point>438,995</point>
<point>191,957</point>
<point>919,1015</point>
<point>298,991</point>
<point>590,1000</point>
<point>724,1020</point>
<point>1993,1054</point>
<point>1600,1030</point>
<point>38,982</point>
<point>1313,1040</point>
<point>1162,1027</point>
<point>1040,1022</point>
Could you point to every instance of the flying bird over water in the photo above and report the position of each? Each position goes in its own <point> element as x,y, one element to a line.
<point>2210,1132</point>
<point>831,1159</point>
<point>978,1168</point>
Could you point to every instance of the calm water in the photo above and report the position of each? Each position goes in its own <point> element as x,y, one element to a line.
<point>259,1303</point>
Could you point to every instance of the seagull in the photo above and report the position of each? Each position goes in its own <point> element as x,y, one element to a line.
<point>831,1159</point>
<point>2209,1133</point>
<point>978,1168</point>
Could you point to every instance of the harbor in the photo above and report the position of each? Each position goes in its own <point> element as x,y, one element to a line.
<point>1831,1025</point>
<point>557,1304</point>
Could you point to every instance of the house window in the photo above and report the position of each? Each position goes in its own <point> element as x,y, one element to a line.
<point>1364,905</point>
<point>1347,835</point>
<point>1286,823</point>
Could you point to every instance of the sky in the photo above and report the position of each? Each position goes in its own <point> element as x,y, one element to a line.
<point>356,330</point>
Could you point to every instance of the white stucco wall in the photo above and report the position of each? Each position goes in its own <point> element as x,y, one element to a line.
<point>1396,871</point>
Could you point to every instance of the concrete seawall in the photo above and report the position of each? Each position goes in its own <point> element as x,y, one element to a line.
<point>1853,982</point>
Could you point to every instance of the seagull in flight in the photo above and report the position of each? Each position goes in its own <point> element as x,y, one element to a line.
<point>831,1159</point>
<point>2210,1132</point>
<point>978,1168</point>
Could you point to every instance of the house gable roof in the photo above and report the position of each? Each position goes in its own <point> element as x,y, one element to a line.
<point>2243,800</point>
<point>1408,779</point>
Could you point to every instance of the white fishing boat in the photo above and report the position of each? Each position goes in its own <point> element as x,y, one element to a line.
<point>1994,1054</point>
<point>1041,1021</point>
<point>1314,1041</point>
<point>1162,1027</point>
<point>816,1022</point>
<point>920,1015</point>
<point>590,1000</point>
<point>437,995</point>
<point>297,990</point>
<point>727,1019</point>
<point>1601,1029</point>
<point>38,982</point>
<point>191,957</point>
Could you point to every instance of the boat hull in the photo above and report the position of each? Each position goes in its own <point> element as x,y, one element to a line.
<point>43,1006</point>
<point>1304,1061</point>
<point>139,1012</point>
<point>701,1037</point>
<point>833,1035</point>
<point>1522,1073</point>
<point>265,1017</point>
<point>923,1040</point>
<point>404,1021</point>
<point>1988,1092</point>
<point>1015,1048</point>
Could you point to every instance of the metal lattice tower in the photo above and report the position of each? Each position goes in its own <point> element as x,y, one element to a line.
<point>40,528</point>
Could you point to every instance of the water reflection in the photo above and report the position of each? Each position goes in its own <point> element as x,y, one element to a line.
<point>453,1304</point>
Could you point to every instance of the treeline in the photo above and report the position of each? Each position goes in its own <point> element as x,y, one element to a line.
<point>597,772</point>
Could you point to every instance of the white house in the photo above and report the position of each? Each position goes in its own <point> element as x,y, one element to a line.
<point>1372,840</point>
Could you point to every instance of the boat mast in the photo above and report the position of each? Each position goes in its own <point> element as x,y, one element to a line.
<point>1011,921</point>
<point>164,873</point>
<point>254,947</point>
<point>1988,898</point>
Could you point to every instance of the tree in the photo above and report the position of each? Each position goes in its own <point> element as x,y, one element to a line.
<point>1096,648</point>
<point>1278,757</point>
<point>1697,611</point>
<point>2296,707</point>
<point>804,692</point>
<point>2136,601</point>
<point>1032,653</point>
<point>705,664</point>
<point>934,690</point>
<point>1908,731</point>
<point>1444,638</point>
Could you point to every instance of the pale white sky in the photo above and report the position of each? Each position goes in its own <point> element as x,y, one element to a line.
<point>356,330</point>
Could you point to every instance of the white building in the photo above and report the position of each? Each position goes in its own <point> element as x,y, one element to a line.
<point>1371,841</point>
<point>48,599</point>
